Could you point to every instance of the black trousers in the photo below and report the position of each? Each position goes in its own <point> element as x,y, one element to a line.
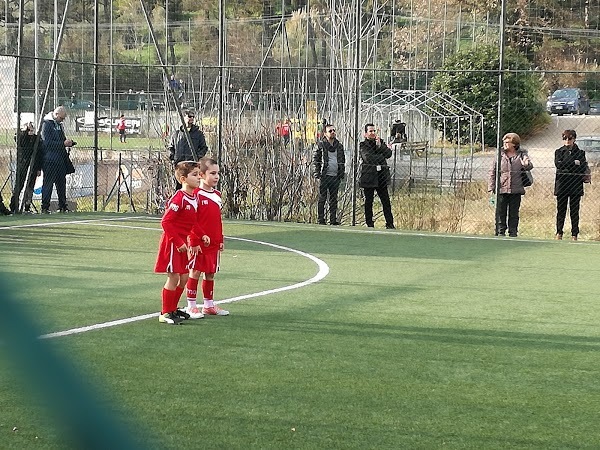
<point>3,209</point>
<point>23,160</point>
<point>329,186</point>
<point>54,174</point>
<point>562,202</point>
<point>384,196</point>
<point>508,206</point>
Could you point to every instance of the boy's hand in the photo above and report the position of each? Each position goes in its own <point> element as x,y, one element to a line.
<point>182,249</point>
<point>206,240</point>
<point>194,250</point>
<point>221,246</point>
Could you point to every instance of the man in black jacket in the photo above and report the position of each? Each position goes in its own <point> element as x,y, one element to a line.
<point>179,149</point>
<point>375,175</point>
<point>26,143</point>
<point>329,163</point>
<point>56,156</point>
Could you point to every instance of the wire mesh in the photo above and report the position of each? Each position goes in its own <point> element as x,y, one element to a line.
<point>306,67</point>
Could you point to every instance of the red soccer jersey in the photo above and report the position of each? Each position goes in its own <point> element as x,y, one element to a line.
<point>208,221</point>
<point>178,220</point>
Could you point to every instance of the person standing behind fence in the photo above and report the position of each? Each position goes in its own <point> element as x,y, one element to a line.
<point>375,175</point>
<point>121,127</point>
<point>179,149</point>
<point>285,131</point>
<point>329,165</point>
<point>513,161</point>
<point>54,147</point>
<point>26,149</point>
<point>571,167</point>
<point>398,132</point>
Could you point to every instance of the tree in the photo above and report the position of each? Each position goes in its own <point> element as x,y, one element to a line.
<point>471,76</point>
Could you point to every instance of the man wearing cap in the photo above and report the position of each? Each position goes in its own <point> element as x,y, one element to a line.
<point>179,149</point>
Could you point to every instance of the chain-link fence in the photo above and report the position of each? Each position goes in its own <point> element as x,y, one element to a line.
<point>346,65</point>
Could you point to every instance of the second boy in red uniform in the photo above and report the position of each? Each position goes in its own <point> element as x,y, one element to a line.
<point>209,222</point>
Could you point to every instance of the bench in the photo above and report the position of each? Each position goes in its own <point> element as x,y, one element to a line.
<point>417,149</point>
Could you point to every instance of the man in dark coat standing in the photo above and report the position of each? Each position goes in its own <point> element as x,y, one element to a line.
<point>179,149</point>
<point>54,146</point>
<point>329,163</point>
<point>571,167</point>
<point>26,143</point>
<point>375,175</point>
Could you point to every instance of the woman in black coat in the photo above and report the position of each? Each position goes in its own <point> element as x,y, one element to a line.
<point>571,167</point>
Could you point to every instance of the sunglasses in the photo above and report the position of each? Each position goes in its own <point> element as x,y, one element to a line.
<point>568,138</point>
<point>331,130</point>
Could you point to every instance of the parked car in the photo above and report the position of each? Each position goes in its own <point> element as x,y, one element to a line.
<point>591,146</point>
<point>568,101</point>
<point>595,108</point>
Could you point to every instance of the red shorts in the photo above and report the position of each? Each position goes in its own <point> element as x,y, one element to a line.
<point>205,262</point>
<point>169,260</point>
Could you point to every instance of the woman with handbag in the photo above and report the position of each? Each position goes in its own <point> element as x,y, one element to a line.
<point>571,172</point>
<point>513,162</point>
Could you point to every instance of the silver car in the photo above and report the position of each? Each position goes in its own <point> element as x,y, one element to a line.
<point>591,146</point>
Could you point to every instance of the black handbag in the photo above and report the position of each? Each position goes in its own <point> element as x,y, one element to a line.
<point>526,178</point>
<point>69,164</point>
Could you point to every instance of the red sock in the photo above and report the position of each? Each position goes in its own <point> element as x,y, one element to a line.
<point>192,288</point>
<point>176,296</point>
<point>207,289</point>
<point>166,300</point>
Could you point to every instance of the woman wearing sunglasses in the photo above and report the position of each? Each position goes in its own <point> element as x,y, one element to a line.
<point>571,167</point>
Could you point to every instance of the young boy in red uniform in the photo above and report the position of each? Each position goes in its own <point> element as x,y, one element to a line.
<point>209,222</point>
<point>181,215</point>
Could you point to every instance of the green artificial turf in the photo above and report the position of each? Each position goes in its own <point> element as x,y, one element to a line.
<point>410,341</point>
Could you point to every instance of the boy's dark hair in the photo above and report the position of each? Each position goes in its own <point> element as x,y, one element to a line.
<point>205,162</point>
<point>569,134</point>
<point>183,168</point>
<point>367,125</point>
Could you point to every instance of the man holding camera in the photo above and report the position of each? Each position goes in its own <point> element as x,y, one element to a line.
<point>375,175</point>
<point>54,148</point>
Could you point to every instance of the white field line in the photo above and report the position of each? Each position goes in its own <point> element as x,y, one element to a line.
<point>322,273</point>
<point>68,222</point>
